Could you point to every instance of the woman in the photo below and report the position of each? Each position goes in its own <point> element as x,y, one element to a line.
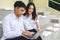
<point>31,23</point>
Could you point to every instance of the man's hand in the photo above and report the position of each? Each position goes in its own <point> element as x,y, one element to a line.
<point>27,33</point>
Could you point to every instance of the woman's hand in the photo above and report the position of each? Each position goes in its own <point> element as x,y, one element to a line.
<point>27,33</point>
<point>38,29</point>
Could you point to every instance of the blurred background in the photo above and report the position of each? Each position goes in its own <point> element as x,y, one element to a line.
<point>48,14</point>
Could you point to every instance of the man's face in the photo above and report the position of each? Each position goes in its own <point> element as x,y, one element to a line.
<point>20,11</point>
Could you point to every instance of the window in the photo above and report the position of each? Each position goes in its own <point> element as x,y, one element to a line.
<point>30,0</point>
<point>54,4</point>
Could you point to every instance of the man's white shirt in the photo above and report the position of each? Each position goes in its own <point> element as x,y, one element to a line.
<point>12,26</point>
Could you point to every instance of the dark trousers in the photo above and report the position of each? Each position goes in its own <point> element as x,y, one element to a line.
<point>23,38</point>
<point>17,38</point>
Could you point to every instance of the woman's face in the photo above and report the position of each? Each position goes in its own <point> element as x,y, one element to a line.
<point>31,9</point>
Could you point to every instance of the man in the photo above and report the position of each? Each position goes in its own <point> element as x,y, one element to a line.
<point>13,27</point>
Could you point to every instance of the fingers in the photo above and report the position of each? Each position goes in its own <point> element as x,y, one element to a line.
<point>27,33</point>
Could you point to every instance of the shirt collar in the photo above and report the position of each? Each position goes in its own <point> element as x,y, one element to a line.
<point>14,16</point>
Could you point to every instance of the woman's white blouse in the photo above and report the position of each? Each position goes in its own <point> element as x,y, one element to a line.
<point>29,23</point>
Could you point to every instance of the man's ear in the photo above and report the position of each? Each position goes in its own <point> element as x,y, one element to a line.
<point>16,7</point>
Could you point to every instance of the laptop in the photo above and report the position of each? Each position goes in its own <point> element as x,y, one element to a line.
<point>33,35</point>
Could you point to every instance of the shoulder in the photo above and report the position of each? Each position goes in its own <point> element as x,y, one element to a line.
<point>7,17</point>
<point>24,17</point>
<point>36,19</point>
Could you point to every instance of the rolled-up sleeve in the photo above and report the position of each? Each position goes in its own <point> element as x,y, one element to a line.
<point>36,20</point>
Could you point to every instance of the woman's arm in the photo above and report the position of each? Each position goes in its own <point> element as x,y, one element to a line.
<point>38,26</point>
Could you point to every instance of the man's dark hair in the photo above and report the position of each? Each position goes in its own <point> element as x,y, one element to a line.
<point>19,4</point>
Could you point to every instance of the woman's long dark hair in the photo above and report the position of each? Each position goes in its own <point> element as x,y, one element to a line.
<point>34,15</point>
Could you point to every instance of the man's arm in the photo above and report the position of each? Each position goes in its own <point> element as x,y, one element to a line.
<point>8,33</point>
